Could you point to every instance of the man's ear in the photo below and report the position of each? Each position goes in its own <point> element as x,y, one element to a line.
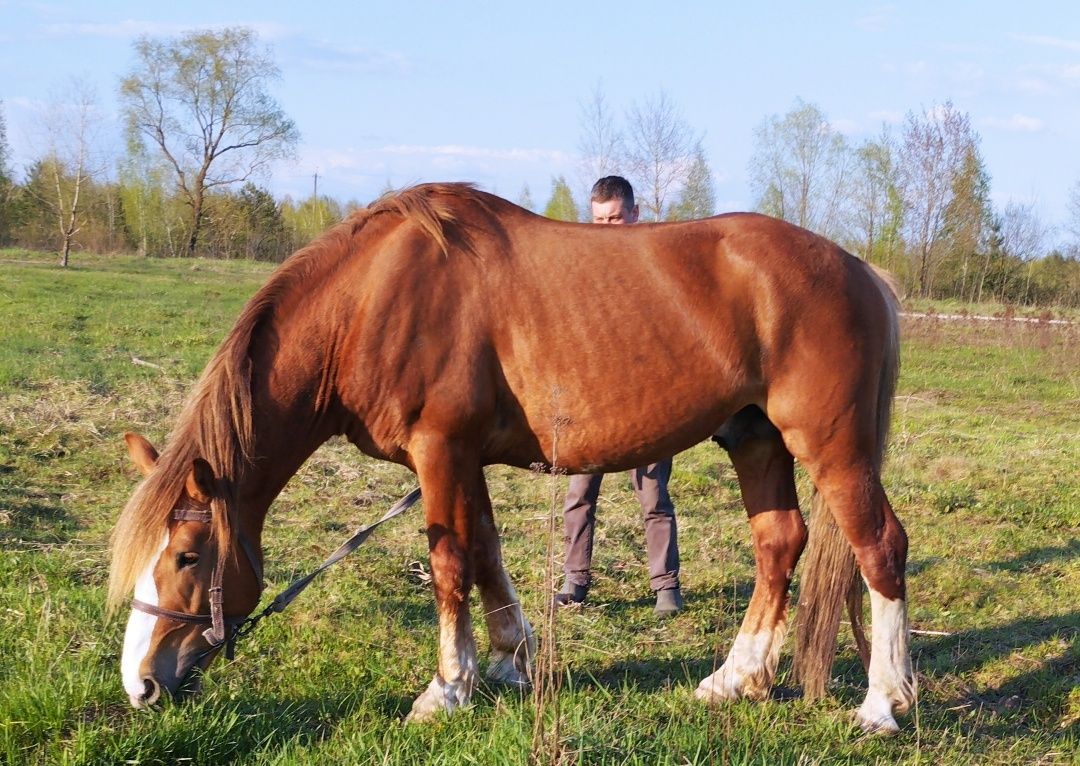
<point>200,481</point>
<point>634,215</point>
<point>142,453</point>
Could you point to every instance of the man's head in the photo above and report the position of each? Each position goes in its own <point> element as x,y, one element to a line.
<point>613,201</point>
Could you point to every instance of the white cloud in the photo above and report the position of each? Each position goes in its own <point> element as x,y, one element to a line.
<point>363,172</point>
<point>1017,123</point>
<point>1045,79</point>
<point>877,19</point>
<point>846,126</point>
<point>478,153</point>
<point>886,116</point>
<point>131,28</point>
<point>916,68</point>
<point>1046,41</point>
<point>328,57</point>
<point>1033,85</point>
<point>27,103</point>
<point>967,72</point>
<point>125,29</point>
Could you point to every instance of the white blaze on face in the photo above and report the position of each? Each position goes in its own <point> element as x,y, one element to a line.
<point>140,626</point>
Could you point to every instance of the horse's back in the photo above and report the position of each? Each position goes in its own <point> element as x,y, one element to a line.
<point>612,345</point>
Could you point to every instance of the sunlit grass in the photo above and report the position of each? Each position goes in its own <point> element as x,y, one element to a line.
<point>983,472</point>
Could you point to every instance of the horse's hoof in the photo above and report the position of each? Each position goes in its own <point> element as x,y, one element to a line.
<point>439,697</point>
<point>881,726</point>
<point>875,716</point>
<point>504,671</point>
<point>714,690</point>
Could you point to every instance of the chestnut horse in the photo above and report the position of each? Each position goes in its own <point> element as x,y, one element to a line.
<point>446,329</point>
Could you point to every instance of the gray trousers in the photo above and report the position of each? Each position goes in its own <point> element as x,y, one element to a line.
<point>661,544</point>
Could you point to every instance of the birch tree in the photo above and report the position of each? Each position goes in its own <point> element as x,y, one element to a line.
<point>932,153</point>
<point>203,101</point>
<point>799,170</point>
<point>72,159</point>
<point>659,150</point>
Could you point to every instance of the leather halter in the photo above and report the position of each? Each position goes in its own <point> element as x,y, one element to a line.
<point>216,634</point>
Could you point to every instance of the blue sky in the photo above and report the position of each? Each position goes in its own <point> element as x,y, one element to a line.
<point>401,92</point>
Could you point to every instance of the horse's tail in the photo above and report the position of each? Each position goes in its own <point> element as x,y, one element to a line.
<point>830,576</point>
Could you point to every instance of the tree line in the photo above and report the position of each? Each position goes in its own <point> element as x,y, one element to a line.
<point>202,130</point>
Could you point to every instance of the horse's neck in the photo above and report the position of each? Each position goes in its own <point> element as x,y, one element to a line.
<point>283,439</point>
<point>290,411</point>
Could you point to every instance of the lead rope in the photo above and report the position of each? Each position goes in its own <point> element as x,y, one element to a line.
<point>217,634</point>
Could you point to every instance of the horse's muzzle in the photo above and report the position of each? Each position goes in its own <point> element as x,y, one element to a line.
<point>151,693</point>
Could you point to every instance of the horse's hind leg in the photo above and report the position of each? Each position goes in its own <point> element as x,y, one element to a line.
<point>453,485</point>
<point>766,478</point>
<point>852,489</point>
<point>512,643</point>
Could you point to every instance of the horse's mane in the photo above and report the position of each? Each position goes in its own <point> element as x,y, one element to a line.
<point>216,423</point>
<point>434,208</point>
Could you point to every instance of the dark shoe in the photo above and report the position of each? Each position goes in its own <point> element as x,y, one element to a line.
<point>668,602</point>
<point>571,593</point>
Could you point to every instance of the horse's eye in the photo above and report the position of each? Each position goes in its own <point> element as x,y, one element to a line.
<point>186,559</point>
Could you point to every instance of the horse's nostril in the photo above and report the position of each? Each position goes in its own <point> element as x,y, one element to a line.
<point>151,690</point>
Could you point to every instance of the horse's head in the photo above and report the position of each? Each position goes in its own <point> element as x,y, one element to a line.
<point>172,629</point>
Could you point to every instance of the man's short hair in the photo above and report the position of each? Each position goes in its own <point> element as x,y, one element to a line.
<point>613,187</point>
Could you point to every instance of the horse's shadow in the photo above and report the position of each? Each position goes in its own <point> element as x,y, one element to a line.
<point>1021,699</point>
<point>729,601</point>
<point>1002,708</point>
<point>1027,561</point>
<point>302,722</point>
<point>309,720</point>
<point>968,651</point>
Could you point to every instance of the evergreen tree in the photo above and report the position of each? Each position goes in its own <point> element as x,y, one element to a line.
<point>525,199</point>
<point>965,225</point>
<point>561,206</point>
<point>264,230</point>
<point>696,198</point>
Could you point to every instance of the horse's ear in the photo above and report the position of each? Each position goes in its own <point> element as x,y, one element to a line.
<point>200,482</point>
<point>142,453</point>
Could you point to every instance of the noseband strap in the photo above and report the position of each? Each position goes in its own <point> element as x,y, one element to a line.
<point>169,614</point>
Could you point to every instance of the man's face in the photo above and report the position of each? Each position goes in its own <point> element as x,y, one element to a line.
<point>613,212</point>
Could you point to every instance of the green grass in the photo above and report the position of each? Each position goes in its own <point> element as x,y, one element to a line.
<point>983,471</point>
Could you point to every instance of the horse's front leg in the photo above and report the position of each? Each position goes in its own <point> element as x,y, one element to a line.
<point>452,486</point>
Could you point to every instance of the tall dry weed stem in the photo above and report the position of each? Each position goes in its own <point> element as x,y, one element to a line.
<point>546,745</point>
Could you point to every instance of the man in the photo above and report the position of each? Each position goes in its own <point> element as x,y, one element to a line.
<point>612,202</point>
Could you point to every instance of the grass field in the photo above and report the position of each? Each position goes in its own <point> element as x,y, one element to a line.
<point>984,471</point>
